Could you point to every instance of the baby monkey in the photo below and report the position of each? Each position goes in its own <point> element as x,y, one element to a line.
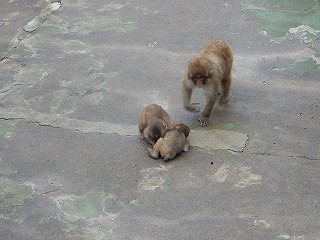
<point>173,142</point>
<point>154,123</point>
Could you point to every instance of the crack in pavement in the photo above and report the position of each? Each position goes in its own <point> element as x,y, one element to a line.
<point>29,29</point>
<point>287,156</point>
<point>59,121</point>
<point>45,13</point>
<point>14,85</point>
<point>205,139</point>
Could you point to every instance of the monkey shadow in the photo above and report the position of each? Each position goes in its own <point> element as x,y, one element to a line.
<point>179,158</point>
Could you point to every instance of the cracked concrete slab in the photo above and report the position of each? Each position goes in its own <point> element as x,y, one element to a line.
<point>218,139</point>
<point>58,121</point>
<point>45,13</point>
<point>71,96</point>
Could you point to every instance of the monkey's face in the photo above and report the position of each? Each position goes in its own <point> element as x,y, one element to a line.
<point>183,128</point>
<point>157,129</point>
<point>199,71</point>
<point>151,136</point>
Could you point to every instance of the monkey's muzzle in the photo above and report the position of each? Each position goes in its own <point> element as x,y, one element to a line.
<point>199,81</point>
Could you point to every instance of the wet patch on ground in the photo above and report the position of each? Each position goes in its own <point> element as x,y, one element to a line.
<point>87,215</point>
<point>13,195</point>
<point>59,101</point>
<point>80,73</point>
<point>286,20</point>
<point>6,127</point>
<point>153,178</point>
<point>238,177</point>
<point>89,206</point>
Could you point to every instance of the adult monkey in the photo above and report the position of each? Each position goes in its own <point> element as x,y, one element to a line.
<point>211,71</point>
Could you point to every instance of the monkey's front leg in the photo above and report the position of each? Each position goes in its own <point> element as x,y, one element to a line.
<point>186,95</point>
<point>186,146</point>
<point>154,152</point>
<point>141,136</point>
<point>204,117</point>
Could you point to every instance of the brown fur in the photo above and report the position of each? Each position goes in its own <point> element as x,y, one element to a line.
<point>211,71</point>
<point>173,142</point>
<point>154,123</point>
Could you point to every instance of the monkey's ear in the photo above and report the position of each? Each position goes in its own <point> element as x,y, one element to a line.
<point>165,125</point>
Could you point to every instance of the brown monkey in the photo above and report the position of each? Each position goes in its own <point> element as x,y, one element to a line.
<point>211,71</point>
<point>154,123</point>
<point>173,142</point>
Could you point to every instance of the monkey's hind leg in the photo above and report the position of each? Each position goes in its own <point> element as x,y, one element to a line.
<point>225,84</point>
<point>169,157</point>
<point>154,152</point>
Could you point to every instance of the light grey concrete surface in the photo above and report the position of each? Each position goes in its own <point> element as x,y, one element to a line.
<point>71,94</point>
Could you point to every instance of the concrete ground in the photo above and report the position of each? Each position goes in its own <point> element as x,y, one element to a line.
<point>72,91</point>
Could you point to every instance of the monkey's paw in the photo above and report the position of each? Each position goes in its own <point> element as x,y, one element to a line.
<point>153,154</point>
<point>203,121</point>
<point>225,101</point>
<point>186,146</point>
<point>168,157</point>
<point>193,107</point>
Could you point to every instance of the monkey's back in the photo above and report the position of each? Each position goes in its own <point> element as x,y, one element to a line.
<point>219,53</point>
<point>152,112</point>
<point>173,142</point>
<point>218,47</point>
